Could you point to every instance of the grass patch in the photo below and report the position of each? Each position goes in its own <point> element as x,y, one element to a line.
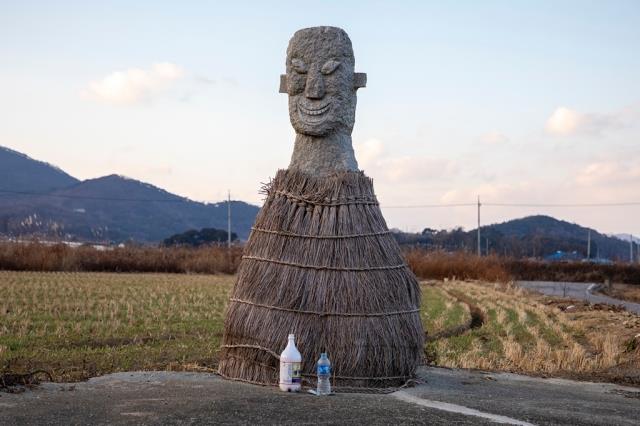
<point>441,311</point>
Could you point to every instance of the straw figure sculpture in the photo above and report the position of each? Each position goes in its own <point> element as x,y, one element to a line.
<point>320,261</point>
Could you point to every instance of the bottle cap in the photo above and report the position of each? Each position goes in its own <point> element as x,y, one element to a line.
<point>291,336</point>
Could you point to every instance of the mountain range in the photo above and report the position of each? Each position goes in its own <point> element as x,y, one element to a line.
<point>537,236</point>
<point>41,200</point>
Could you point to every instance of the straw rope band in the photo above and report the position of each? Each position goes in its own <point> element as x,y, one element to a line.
<point>324,314</point>
<point>270,367</point>
<point>329,203</point>
<point>238,379</point>
<point>319,237</point>
<point>362,378</point>
<point>269,351</point>
<point>330,268</point>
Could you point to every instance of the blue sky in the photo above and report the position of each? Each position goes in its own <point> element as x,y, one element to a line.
<point>513,101</point>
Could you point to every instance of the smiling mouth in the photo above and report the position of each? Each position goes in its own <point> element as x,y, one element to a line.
<point>313,115</point>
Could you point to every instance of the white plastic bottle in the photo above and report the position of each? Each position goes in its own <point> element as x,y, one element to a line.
<point>324,375</point>
<point>290,365</point>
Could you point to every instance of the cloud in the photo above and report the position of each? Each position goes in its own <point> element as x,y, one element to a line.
<point>567,122</point>
<point>491,191</point>
<point>134,85</point>
<point>609,172</point>
<point>369,152</point>
<point>494,138</point>
<point>401,169</point>
<point>371,156</point>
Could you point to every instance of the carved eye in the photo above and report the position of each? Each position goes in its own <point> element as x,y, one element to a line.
<point>329,67</point>
<point>299,66</point>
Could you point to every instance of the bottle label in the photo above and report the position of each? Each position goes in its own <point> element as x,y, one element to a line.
<point>290,373</point>
<point>295,374</point>
<point>324,370</point>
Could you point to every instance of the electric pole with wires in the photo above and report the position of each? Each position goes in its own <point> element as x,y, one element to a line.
<point>229,220</point>
<point>479,241</point>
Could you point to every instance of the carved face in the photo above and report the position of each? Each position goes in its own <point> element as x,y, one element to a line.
<point>320,81</point>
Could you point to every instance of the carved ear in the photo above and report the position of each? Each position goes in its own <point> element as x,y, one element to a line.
<point>360,80</point>
<point>283,84</point>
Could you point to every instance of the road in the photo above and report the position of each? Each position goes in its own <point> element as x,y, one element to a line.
<point>446,396</point>
<point>581,291</point>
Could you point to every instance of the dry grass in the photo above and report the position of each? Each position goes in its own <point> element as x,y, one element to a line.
<point>60,257</point>
<point>215,259</point>
<point>527,333</point>
<point>79,325</point>
<point>464,266</point>
<point>439,265</point>
<point>624,292</point>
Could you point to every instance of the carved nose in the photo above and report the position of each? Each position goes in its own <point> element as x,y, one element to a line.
<point>314,88</point>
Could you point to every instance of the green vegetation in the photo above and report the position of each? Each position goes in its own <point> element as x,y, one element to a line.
<point>441,311</point>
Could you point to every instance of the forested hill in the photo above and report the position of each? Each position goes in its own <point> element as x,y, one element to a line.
<point>531,236</point>
<point>40,200</point>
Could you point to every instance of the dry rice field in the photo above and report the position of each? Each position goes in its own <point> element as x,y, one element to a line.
<point>80,325</point>
<point>533,334</point>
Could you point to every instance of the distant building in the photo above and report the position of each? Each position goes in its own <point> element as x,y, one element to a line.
<point>562,256</point>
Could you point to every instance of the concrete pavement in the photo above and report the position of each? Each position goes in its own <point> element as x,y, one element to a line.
<point>580,291</point>
<point>447,397</point>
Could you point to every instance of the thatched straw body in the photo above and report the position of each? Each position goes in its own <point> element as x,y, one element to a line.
<point>321,263</point>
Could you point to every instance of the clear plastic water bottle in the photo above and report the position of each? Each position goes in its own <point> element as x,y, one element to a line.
<point>324,375</point>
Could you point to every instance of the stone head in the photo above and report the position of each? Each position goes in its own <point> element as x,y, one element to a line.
<point>321,82</point>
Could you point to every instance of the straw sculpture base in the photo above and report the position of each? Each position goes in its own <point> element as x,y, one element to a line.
<point>321,263</point>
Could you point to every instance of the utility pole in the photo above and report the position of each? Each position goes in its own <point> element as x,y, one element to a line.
<point>589,245</point>
<point>479,243</point>
<point>229,220</point>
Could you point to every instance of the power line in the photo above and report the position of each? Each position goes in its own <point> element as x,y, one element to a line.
<point>418,206</point>
<point>624,204</point>
<point>424,206</point>
<point>399,206</point>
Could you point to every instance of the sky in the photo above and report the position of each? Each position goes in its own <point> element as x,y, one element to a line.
<point>512,101</point>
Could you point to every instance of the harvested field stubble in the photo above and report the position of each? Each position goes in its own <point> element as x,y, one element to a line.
<point>532,334</point>
<point>79,325</point>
